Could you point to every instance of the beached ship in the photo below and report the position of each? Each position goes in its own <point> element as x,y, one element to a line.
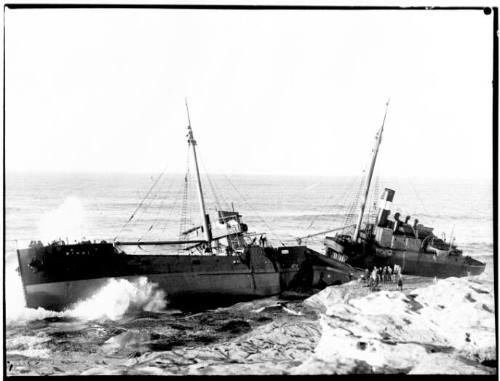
<point>390,240</point>
<point>211,270</point>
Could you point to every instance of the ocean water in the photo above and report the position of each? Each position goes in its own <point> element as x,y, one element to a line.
<point>131,321</point>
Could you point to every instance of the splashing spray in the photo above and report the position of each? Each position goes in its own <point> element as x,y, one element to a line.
<point>117,298</point>
<point>67,221</point>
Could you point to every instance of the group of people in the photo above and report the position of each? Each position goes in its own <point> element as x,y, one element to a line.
<point>35,244</point>
<point>386,274</point>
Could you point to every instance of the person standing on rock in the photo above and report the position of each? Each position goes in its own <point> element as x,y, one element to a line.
<point>397,272</point>
<point>373,278</point>
<point>400,282</point>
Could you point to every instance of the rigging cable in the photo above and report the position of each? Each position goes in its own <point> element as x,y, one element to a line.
<point>210,183</point>
<point>347,188</point>
<point>176,200</point>
<point>418,197</point>
<point>159,209</point>
<point>372,211</point>
<point>354,204</point>
<point>166,219</point>
<point>185,204</point>
<point>254,210</point>
<point>141,203</point>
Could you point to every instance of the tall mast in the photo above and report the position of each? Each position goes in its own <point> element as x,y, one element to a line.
<point>192,143</point>
<point>378,140</point>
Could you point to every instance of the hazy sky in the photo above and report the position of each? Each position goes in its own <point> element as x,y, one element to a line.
<point>270,92</point>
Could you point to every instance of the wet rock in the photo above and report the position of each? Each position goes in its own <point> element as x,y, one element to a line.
<point>470,298</point>
<point>490,363</point>
<point>166,344</point>
<point>206,339</point>
<point>127,339</point>
<point>479,290</point>
<point>236,326</point>
<point>262,319</point>
<point>361,345</point>
<point>415,306</point>
<point>486,308</point>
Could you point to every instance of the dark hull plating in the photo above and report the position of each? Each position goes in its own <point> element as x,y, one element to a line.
<point>55,277</point>
<point>425,264</point>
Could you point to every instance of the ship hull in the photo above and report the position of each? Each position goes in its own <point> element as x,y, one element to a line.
<point>426,264</point>
<point>180,289</point>
<point>57,277</point>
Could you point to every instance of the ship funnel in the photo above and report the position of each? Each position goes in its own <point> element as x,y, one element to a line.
<point>384,207</point>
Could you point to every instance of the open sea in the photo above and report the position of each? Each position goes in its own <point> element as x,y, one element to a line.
<point>128,327</point>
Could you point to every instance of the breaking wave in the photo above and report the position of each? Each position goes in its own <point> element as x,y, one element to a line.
<point>120,296</point>
<point>65,222</point>
<point>117,298</point>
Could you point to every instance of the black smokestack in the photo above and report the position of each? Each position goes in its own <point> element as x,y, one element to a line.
<point>384,212</point>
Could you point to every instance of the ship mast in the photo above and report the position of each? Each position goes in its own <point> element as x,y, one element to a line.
<point>378,140</point>
<point>192,143</point>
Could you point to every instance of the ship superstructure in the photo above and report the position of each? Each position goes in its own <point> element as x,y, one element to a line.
<point>390,240</point>
<point>227,267</point>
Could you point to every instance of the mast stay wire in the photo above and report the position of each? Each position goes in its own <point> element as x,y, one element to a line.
<point>254,210</point>
<point>346,190</point>
<point>430,218</point>
<point>418,197</point>
<point>161,194</point>
<point>157,217</point>
<point>166,217</point>
<point>226,203</point>
<point>158,210</point>
<point>350,209</point>
<point>372,210</point>
<point>211,183</point>
<point>174,206</point>
<point>152,225</point>
<point>185,200</point>
<point>143,212</point>
<point>186,220</point>
<point>354,206</point>
<point>375,194</point>
<point>141,203</point>
<point>179,194</point>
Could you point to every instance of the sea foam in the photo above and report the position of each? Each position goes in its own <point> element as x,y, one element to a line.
<point>67,221</point>
<point>117,298</point>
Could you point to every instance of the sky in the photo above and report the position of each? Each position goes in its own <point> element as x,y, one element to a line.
<point>269,92</point>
